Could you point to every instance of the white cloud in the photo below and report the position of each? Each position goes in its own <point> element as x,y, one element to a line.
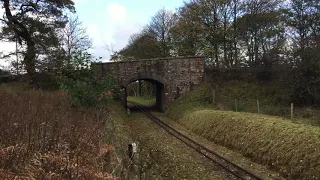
<point>114,30</point>
<point>112,26</point>
<point>5,49</point>
<point>117,12</point>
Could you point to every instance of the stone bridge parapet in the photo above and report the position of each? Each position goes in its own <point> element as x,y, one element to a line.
<point>176,75</point>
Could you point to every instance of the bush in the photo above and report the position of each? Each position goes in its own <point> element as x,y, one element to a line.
<point>43,137</point>
<point>87,90</point>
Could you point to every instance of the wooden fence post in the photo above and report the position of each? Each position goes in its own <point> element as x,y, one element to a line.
<point>236,104</point>
<point>258,104</point>
<point>291,110</point>
<point>213,96</point>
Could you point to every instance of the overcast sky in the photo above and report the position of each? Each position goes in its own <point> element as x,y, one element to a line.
<point>111,22</point>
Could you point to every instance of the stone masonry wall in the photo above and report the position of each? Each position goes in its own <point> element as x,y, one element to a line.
<point>179,75</point>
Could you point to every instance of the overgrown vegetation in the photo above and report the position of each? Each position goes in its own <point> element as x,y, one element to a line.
<point>247,34</point>
<point>286,146</point>
<point>292,149</point>
<point>165,159</point>
<point>116,134</point>
<point>242,96</point>
<point>234,156</point>
<point>272,97</point>
<point>43,137</point>
<point>154,158</point>
<point>87,90</point>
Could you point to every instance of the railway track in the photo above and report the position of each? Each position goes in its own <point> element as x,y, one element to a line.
<point>235,170</point>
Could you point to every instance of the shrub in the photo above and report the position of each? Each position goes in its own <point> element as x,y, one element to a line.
<point>87,90</point>
<point>43,137</point>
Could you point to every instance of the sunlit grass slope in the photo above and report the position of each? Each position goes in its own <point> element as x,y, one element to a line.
<point>293,149</point>
<point>145,101</point>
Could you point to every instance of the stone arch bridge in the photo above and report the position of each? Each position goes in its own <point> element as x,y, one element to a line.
<point>171,76</point>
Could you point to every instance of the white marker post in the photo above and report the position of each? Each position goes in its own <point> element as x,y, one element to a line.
<point>132,149</point>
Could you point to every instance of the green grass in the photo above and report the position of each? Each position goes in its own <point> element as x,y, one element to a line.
<point>159,155</point>
<point>162,156</point>
<point>236,157</point>
<point>273,101</point>
<point>291,148</point>
<point>199,98</point>
<point>145,101</point>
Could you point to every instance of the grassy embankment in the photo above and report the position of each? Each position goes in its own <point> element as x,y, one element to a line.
<point>145,101</point>
<point>43,137</point>
<point>273,100</point>
<point>291,148</point>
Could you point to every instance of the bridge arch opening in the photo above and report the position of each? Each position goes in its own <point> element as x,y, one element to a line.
<point>158,89</point>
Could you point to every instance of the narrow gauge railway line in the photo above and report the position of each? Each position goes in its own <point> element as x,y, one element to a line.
<point>233,169</point>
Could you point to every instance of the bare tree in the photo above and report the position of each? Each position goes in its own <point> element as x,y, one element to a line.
<point>114,54</point>
<point>75,38</point>
<point>161,25</point>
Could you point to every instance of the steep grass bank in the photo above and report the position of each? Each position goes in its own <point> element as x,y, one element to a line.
<point>199,98</point>
<point>273,101</point>
<point>292,149</point>
<point>242,97</point>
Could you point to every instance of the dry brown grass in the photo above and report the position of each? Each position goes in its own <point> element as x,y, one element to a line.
<point>43,137</point>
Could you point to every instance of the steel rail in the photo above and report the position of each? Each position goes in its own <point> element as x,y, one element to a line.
<point>226,164</point>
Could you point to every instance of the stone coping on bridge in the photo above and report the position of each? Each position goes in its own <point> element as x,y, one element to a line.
<point>155,59</point>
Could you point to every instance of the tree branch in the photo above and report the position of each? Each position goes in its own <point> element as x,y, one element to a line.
<point>31,7</point>
<point>10,54</point>
<point>12,21</point>
<point>4,21</point>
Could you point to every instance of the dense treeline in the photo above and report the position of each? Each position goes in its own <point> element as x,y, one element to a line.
<point>232,33</point>
<point>265,34</point>
<point>49,36</point>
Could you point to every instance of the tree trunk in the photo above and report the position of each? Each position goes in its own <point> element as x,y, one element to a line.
<point>235,33</point>
<point>256,50</point>
<point>23,33</point>
<point>29,60</point>
<point>140,88</point>
<point>216,55</point>
<point>226,61</point>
